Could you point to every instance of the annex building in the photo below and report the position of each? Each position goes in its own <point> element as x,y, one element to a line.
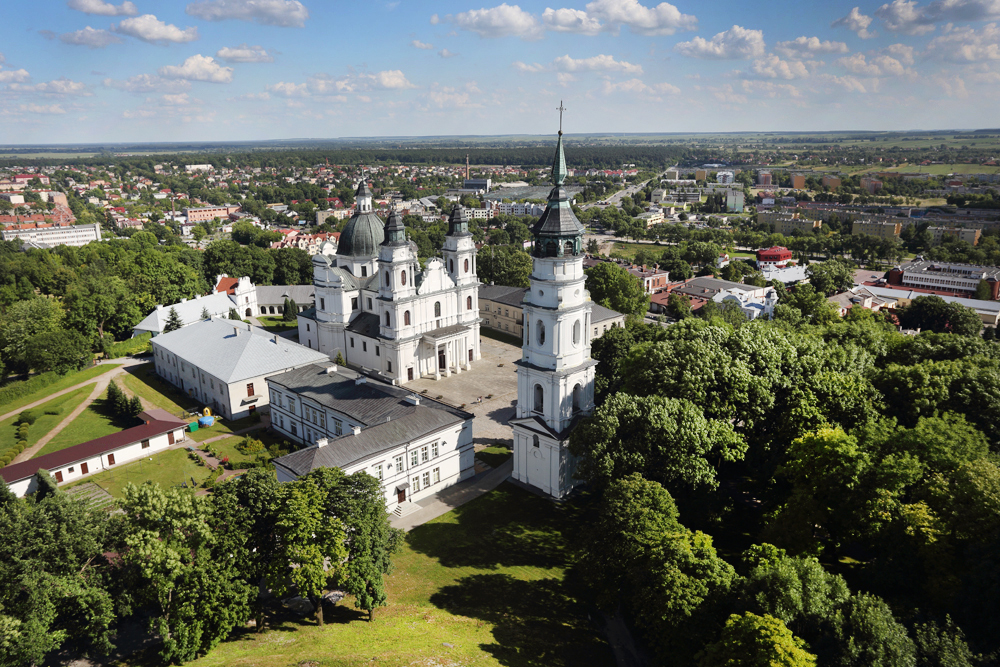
<point>377,308</point>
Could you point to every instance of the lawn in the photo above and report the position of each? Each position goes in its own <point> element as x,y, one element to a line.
<point>510,339</point>
<point>222,427</point>
<point>96,421</point>
<point>62,405</point>
<point>493,456</point>
<point>169,468</point>
<point>64,382</point>
<point>484,585</point>
<point>143,381</point>
<point>276,324</point>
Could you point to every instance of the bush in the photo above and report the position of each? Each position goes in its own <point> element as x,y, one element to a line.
<point>54,411</point>
<point>27,417</point>
<point>17,390</point>
<point>249,445</point>
<point>132,346</point>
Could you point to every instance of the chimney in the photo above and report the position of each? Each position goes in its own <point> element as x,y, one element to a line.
<point>322,442</point>
<point>274,339</point>
<point>159,306</point>
<point>183,299</point>
<point>330,370</point>
<point>413,399</point>
<point>236,331</point>
<point>356,430</point>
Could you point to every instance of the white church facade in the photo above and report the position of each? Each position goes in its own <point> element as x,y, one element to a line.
<point>378,309</point>
<point>555,375</point>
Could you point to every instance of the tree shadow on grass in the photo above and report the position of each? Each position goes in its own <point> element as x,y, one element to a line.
<point>535,622</point>
<point>508,527</point>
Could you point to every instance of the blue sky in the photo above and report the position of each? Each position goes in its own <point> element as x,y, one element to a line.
<point>94,71</point>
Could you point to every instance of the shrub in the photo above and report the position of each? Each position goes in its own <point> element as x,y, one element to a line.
<point>132,346</point>
<point>54,411</point>
<point>27,417</point>
<point>17,390</point>
<point>249,445</point>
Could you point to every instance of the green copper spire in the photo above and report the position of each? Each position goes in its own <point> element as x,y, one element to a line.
<point>559,164</point>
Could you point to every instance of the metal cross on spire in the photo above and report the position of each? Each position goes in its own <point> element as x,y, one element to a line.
<point>560,109</point>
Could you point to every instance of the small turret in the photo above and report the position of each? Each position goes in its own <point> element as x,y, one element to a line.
<point>395,232</point>
<point>458,223</point>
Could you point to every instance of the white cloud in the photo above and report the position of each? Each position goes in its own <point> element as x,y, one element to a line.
<point>417,44</point>
<point>900,52</point>
<point>769,89</point>
<point>324,84</point>
<point>638,86</point>
<point>501,21</point>
<point>148,28</point>
<point>147,83</point>
<point>283,13</point>
<point>138,113</point>
<point>103,8</point>
<point>663,19</point>
<point>966,45</point>
<point>571,20</point>
<point>176,100</point>
<point>856,64</point>
<point>733,44</point>
<point>524,67</point>
<point>285,89</point>
<point>198,68</point>
<point>14,75</point>
<point>393,79</point>
<point>244,54</point>
<point>773,67</point>
<point>62,86</point>
<point>808,46</point>
<point>906,17</point>
<point>445,53</point>
<point>3,58</point>
<point>849,83</point>
<point>95,39</point>
<point>856,22</point>
<point>601,63</point>
<point>952,86</point>
<point>43,108</point>
<point>250,97</point>
<point>451,98</point>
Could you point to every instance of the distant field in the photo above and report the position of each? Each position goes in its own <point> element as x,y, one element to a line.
<point>939,169</point>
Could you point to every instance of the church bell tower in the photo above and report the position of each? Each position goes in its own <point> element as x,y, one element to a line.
<point>555,375</point>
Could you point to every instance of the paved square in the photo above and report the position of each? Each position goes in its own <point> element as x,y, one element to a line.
<point>492,375</point>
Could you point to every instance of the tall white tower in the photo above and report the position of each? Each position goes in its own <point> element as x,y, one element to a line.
<point>459,253</point>
<point>555,376</point>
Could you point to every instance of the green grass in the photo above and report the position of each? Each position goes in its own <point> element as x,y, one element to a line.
<point>493,456</point>
<point>64,404</point>
<point>64,382</point>
<point>143,381</point>
<point>222,427</point>
<point>276,324</point>
<point>168,468</point>
<point>485,584</point>
<point>501,336</point>
<point>943,169</point>
<point>96,421</point>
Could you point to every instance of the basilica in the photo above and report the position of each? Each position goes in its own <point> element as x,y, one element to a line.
<point>376,307</point>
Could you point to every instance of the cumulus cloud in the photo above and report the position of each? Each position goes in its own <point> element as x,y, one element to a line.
<point>282,13</point>
<point>501,21</point>
<point>445,53</point>
<point>244,54</point>
<point>856,64</point>
<point>906,17</point>
<point>150,29</point>
<point>285,89</point>
<point>61,86</point>
<point>89,37</point>
<point>524,67</point>
<point>325,85</point>
<point>773,67</point>
<point>900,52</point>
<point>42,108</point>
<point>856,22</point>
<point>601,63</point>
<point>663,19</point>
<point>447,97</point>
<point>966,45</point>
<point>571,20</point>
<point>14,75</point>
<point>101,8</point>
<point>638,86</point>
<point>801,47</point>
<point>147,83</point>
<point>849,84</point>
<point>417,44</point>
<point>199,68</point>
<point>138,113</point>
<point>734,44</point>
<point>176,99</point>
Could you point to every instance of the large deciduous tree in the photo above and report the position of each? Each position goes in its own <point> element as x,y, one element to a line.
<point>613,287</point>
<point>749,640</point>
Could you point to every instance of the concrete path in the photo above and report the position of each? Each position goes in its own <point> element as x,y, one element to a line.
<point>452,497</point>
<point>100,386</point>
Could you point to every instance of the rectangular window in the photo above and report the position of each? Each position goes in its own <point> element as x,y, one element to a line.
<point>377,351</point>
<point>352,342</point>
<point>436,475</point>
<point>281,421</point>
<point>291,404</point>
<point>377,472</point>
<point>364,346</point>
<point>369,303</point>
<point>295,431</point>
<point>354,303</point>
<point>145,444</point>
<point>399,463</point>
<point>434,450</point>
<point>322,303</point>
<point>338,427</point>
<point>415,484</point>
<point>307,327</point>
<point>423,454</point>
<point>249,388</point>
<point>414,459</point>
<point>427,479</point>
<point>389,366</point>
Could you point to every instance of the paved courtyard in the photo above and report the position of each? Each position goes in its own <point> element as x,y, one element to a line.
<point>492,375</point>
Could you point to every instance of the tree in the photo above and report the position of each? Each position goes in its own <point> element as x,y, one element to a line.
<point>504,265</point>
<point>679,306</point>
<point>21,323</point>
<point>613,287</point>
<point>833,275</point>
<point>291,310</point>
<point>866,633</point>
<point>664,439</point>
<point>593,247</point>
<point>60,351</point>
<point>983,291</point>
<point>174,321</point>
<point>233,315</point>
<point>935,314</point>
<point>205,314</point>
<point>749,640</point>
<point>339,360</point>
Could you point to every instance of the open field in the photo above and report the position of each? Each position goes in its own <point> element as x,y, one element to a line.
<point>62,405</point>
<point>942,169</point>
<point>221,427</point>
<point>169,468</point>
<point>64,382</point>
<point>96,421</point>
<point>143,381</point>
<point>482,585</point>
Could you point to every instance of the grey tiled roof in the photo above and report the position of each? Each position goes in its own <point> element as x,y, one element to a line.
<point>599,313</point>
<point>189,311</point>
<point>302,294</point>
<point>365,324</point>
<point>215,347</point>
<point>511,296</point>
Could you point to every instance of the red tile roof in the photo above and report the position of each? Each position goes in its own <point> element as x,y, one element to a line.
<point>87,450</point>
<point>228,285</point>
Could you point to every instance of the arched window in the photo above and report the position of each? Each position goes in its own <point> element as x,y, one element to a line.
<point>466,266</point>
<point>576,332</point>
<point>534,440</point>
<point>539,398</point>
<point>551,249</point>
<point>451,266</point>
<point>568,249</point>
<point>406,318</point>
<point>437,309</point>
<point>577,398</point>
<point>402,277</point>
<point>387,318</point>
<point>388,280</point>
<point>468,303</point>
<point>541,332</point>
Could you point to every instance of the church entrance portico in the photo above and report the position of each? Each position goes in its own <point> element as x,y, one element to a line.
<point>446,349</point>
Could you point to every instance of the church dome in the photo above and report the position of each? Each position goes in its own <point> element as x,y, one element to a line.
<point>362,236</point>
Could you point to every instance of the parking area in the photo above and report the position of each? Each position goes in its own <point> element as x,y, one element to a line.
<point>493,375</point>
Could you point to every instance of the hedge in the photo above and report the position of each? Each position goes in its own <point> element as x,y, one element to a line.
<point>23,388</point>
<point>136,345</point>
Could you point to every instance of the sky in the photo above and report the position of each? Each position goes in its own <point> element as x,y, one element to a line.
<point>84,71</point>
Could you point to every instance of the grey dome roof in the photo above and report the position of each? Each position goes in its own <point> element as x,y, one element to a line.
<point>362,236</point>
